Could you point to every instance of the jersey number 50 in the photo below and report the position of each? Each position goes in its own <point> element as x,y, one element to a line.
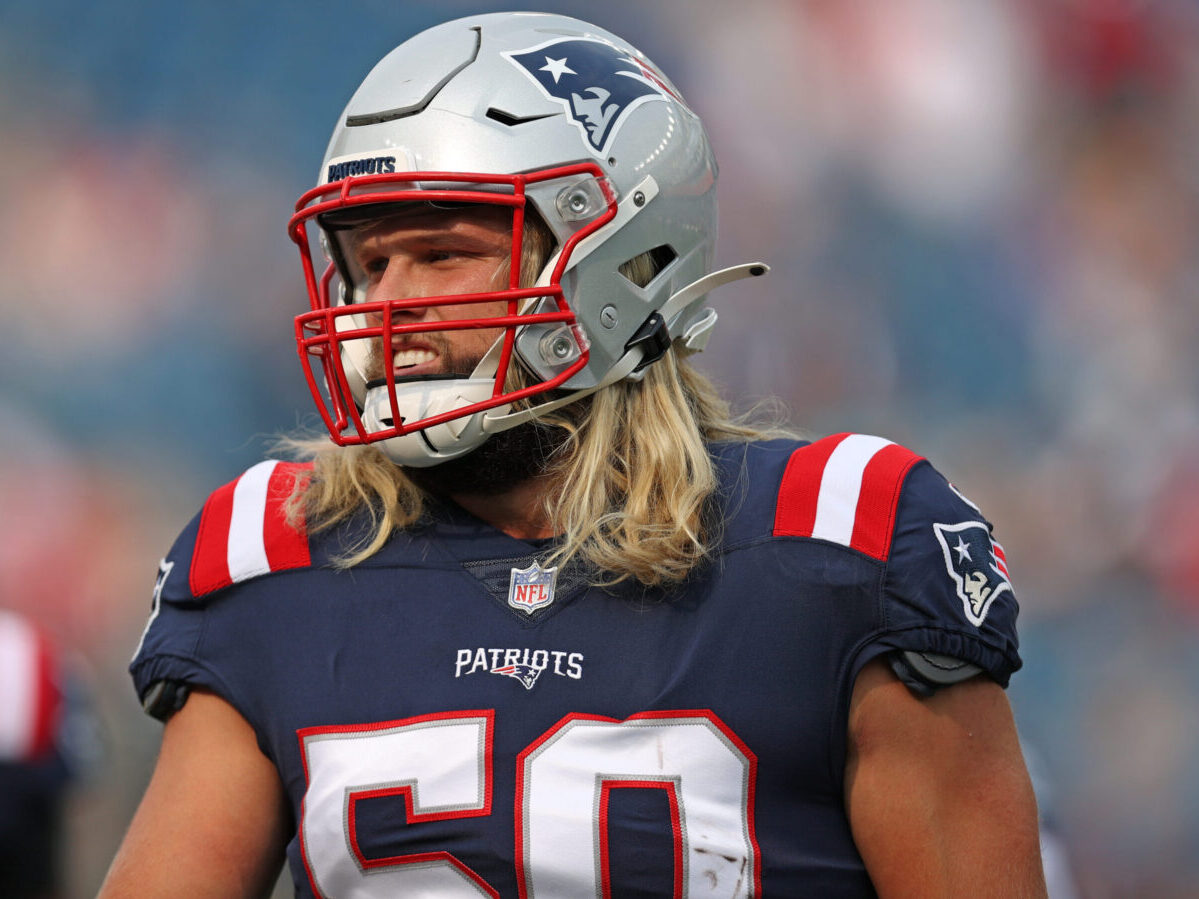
<point>442,767</point>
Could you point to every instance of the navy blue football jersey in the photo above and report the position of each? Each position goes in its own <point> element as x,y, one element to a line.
<point>456,717</point>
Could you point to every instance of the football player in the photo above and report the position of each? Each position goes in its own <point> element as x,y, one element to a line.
<point>544,620</point>
<point>37,761</point>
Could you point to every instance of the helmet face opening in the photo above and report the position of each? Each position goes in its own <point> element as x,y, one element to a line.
<point>415,318</point>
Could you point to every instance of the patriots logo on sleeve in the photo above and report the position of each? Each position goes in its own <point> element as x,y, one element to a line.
<point>598,84</point>
<point>977,565</point>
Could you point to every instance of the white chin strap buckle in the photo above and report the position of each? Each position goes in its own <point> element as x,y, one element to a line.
<point>419,400</point>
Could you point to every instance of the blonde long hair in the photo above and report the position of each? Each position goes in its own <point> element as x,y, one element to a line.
<point>631,488</point>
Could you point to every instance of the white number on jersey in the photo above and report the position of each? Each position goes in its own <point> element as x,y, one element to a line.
<point>442,766</point>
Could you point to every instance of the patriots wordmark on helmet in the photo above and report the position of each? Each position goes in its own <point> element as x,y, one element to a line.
<point>374,165</point>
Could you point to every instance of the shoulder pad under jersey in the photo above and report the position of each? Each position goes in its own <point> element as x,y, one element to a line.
<point>945,589</point>
<point>241,533</point>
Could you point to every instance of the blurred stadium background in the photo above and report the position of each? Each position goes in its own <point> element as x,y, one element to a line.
<point>983,220</point>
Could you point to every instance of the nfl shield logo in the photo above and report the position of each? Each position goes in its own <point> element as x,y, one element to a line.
<point>531,588</point>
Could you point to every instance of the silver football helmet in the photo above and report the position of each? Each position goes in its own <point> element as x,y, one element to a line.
<point>552,119</point>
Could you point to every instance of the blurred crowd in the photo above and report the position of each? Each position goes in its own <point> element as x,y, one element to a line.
<point>982,220</point>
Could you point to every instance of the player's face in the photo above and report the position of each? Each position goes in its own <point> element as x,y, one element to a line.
<point>431,253</point>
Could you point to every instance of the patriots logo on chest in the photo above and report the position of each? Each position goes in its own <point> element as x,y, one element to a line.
<point>526,674</point>
<point>598,84</point>
<point>977,565</point>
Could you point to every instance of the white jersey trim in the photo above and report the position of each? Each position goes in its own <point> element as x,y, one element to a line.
<point>247,538</point>
<point>18,686</point>
<point>841,486</point>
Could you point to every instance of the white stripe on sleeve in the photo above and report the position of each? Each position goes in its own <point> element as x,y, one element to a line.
<point>841,485</point>
<point>247,544</point>
<point>18,686</point>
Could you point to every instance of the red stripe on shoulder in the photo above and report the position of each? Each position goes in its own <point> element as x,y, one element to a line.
<point>795,513</point>
<point>47,700</point>
<point>878,502</point>
<point>286,546</point>
<point>210,559</point>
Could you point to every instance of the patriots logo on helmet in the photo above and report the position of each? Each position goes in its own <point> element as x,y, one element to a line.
<point>977,565</point>
<point>599,84</point>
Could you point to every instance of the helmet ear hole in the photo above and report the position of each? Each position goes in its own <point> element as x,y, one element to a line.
<point>645,267</point>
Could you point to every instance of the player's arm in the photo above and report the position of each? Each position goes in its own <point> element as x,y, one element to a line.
<point>939,799</point>
<point>213,821</point>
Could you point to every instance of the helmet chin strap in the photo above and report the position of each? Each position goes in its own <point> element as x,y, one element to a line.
<point>672,310</point>
<point>438,443</point>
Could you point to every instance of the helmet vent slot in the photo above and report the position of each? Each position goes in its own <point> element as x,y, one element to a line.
<point>644,268</point>
<point>390,115</point>
<point>512,120</point>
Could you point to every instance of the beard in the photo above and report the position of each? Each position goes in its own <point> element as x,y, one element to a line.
<point>500,463</point>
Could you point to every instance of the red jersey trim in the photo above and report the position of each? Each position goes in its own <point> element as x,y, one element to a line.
<point>844,489</point>
<point>243,530</point>
<point>30,698</point>
<point>48,702</point>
